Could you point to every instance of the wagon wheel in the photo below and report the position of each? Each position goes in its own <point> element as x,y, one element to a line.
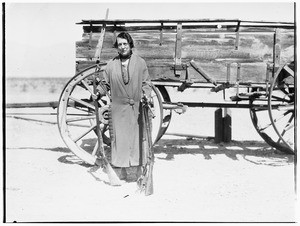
<point>259,113</point>
<point>281,106</point>
<point>76,114</point>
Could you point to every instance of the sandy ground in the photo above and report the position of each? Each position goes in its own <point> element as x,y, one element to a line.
<point>195,180</point>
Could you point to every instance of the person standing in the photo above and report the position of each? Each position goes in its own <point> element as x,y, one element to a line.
<point>128,78</point>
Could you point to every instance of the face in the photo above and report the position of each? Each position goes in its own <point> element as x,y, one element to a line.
<point>123,47</point>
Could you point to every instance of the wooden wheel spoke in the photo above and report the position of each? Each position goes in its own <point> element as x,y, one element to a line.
<point>282,88</point>
<point>80,109</point>
<point>72,103</point>
<point>88,105</point>
<point>95,149</point>
<point>101,103</point>
<point>104,129</point>
<point>288,126</point>
<point>276,120</point>
<point>87,86</point>
<point>282,99</point>
<point>74,119</point>
<point>78,125</point>
<point>260,109</point>
<point>72,114</point>
<point>287,108</point>
<point>84,133</point>
<point>265,127</point>
<point>278,140</point>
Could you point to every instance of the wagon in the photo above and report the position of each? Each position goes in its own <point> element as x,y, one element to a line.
<point>252,59</point>
<point>251,63</point>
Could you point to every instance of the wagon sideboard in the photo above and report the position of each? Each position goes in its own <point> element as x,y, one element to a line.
<point>216,46</point>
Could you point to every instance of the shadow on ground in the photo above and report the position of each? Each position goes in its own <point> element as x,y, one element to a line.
<point>167,149</point>
<point>208,148</point>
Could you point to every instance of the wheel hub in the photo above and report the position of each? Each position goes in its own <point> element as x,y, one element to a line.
<point>104,114</point>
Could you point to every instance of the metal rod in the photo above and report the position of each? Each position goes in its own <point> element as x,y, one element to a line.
<point>53,104</point>
<point>212,105</point>
<point>189,135</point>
<point>31,113</point>
<point>278,23</point>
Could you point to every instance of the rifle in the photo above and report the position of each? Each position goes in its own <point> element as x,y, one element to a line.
<point>112,176</point>
<point>145,182</point>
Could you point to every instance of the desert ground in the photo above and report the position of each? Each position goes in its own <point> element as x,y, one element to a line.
<point>195,179</point>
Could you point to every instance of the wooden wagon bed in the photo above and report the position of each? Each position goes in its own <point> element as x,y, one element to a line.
<point>215,45</point>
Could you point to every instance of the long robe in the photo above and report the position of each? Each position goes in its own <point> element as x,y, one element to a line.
<point>125,107</point>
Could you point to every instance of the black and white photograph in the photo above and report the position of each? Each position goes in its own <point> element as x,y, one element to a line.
<point>149,112</point>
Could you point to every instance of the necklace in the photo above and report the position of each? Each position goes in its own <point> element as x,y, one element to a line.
<point>124,70</point>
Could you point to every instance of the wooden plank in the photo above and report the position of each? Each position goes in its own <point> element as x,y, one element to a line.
<point>96,29</point>
<point>111,52</point>
<point>120,21</point>
<point>170,39</point>
<point>178,48</point>
<point>137,37</point>
<point>161,69</point>
<point>188,52</point>
<point>205,20</point>
<point>195,41</point>
<point>260,46</point>
<point>146,42</point>
<point>186,28</point>
<point>178,44</point>
<point>213,51</point>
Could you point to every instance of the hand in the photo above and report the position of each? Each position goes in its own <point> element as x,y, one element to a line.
<point>145,99</point>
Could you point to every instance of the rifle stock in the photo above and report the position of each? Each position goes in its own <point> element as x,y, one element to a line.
<point>114,180</point>
<point>146,183</point>
<point>149,180</point>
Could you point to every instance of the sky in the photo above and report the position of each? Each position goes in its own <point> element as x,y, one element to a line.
<point>40,37</point>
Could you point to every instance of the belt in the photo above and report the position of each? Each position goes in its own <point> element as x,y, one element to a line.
<point>126,100</point>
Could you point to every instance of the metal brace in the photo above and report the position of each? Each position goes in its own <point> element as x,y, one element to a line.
<point>237,38</point>
<point>161,34</point>
<point>177,69</point>
<point>91,36</point>
<point>276,50</point>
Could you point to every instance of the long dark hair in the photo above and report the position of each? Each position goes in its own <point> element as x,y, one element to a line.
<point>126,36</point>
